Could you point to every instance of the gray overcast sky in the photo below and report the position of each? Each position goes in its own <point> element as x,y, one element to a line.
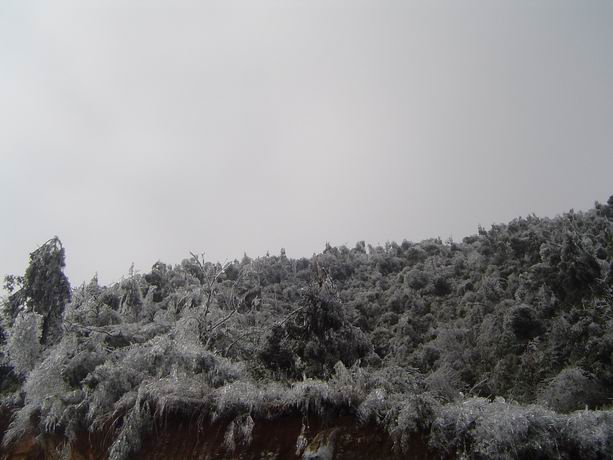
<point>141,130</point>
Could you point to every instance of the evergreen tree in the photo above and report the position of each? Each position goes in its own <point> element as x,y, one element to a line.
<point>44,290</point>
<point>317,335</point>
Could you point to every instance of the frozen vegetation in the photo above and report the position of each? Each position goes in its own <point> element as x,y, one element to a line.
<point>499,346</point>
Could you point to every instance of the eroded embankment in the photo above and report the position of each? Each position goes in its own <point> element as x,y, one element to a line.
<point>178,437</point>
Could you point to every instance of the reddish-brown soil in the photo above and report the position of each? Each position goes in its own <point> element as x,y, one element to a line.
<point>178,437</point>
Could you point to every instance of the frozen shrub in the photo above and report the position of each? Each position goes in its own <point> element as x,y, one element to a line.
<point>375,407</point>
<point>23,342</point>
<point>417,279</point>
<point>511,431</point>
<point>412,417</point>
<point>20,425</point>
<point>478,428</point>
<point>570,390</point>
<point>318,397</point>
<point>236,398</point>
<point>46,395</point>
<point>590,434</point>
<point>136,423</point>
<point>444,382</point>
<point>239,432</point>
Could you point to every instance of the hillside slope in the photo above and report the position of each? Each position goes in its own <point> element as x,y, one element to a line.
<point>497,346</point>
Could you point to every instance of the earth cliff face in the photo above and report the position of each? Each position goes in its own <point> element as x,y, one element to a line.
<point>284,438</point>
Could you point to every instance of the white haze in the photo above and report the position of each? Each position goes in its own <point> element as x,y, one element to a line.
<point>142,130</point>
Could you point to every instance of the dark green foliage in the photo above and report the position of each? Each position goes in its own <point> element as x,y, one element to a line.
<point>522,322</point>
<point>159,278</point>
<point>442,286</point>
<point>44,289</point>
<point>315,337</point>
<point>276,355</point>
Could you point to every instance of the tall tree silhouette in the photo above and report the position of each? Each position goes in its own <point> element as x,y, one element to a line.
<point>46,289</point>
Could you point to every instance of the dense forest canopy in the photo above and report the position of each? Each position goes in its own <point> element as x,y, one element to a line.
<point>499,345</point>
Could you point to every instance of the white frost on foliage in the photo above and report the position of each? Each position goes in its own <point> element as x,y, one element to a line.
<point>24,341</point>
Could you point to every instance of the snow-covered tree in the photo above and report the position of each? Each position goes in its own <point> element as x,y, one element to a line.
<point>23,344</point>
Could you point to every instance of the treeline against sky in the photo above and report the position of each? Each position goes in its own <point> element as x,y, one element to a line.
<point>500,345</point>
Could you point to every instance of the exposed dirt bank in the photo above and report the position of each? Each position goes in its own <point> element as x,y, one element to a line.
<point>288,437</point>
